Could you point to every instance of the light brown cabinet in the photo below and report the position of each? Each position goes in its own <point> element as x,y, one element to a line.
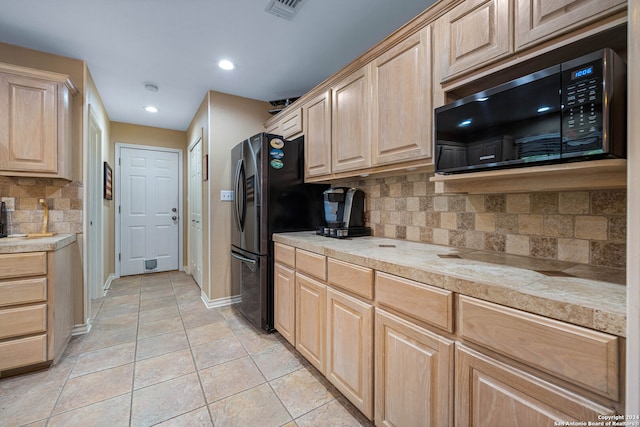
<point>35,123</point>
<point>317,134</point>
<point>36,306</point>
<point>292,124</point>
<point>473,33</point>
<point>350,121</point>
<point>538,20</point>
<point>284,284</point>
<point>401,106</point>
<point>490,393</point>
<point>311,315</point>
<point>349,363</point>
<point>413,374</point>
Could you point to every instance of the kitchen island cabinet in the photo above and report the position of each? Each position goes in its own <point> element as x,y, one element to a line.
<point>35,123</point>
<point>36,300</point>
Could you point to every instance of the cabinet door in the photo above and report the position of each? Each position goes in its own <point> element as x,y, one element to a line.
<point>284,284</point>
<point>350,112</point>
<point>414,374</point>
<point>28,124</point>
<point>490,393</point>
<point>401,104</point>
<point>311,314</point>
<point>474,33</point>
<point>537,20</point>
<point>350,349</point>
<point>317,135</point>
<point>292,124</point>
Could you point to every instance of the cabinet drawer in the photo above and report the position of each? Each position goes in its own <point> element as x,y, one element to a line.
<point>292,123</point>
<point>352,278</point>
<point>23,320</point>
<point>584,357</point>
<point>285,254</point>
<point>24,264</point>
<point>423,302</point>
<point>312,264</point>
<point>23,352</point>
<point>23,291</point>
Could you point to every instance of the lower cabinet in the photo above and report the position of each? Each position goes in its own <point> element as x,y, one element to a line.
<point>311,314</point>
<point>490,393</point>
<point>349,364</point>
<point>413,374</point>
<point>284,283</point>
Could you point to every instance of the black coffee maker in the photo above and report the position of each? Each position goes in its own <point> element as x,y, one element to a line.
<point>4,225</point>
<point>344,213</point>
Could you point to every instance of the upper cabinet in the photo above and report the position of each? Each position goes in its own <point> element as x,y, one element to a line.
<point>473,33</point>
<point>317,131</point>
<point>537,20</point>
<point>401,107</point>
<point>350,121</point>
<point>291,126</point>
<point>35,123</point>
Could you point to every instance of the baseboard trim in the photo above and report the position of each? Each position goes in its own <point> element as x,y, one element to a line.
<point>107,284</point>
<point>219,302</point>
<point>81,329</point>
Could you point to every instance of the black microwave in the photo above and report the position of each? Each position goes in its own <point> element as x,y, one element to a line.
<point>571,111</point>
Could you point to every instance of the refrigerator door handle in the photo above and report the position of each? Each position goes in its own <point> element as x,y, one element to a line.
<point>240,199</point>
<point>252,264</point>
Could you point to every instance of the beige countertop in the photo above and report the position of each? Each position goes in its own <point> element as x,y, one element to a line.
<point>594,297</point>
<point>14,245</point>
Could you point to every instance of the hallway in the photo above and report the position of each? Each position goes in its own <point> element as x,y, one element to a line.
<point>157,356</point>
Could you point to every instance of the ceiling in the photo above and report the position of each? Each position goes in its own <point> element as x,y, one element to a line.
<point>176,44</point>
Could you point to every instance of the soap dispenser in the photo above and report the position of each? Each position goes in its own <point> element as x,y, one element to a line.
<point>3,220</point>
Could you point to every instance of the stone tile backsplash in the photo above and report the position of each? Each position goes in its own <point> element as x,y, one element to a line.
<point>585,227</point>
<point>63,198</point>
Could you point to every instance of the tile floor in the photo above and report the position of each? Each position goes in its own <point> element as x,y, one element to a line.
<point>157,356</point>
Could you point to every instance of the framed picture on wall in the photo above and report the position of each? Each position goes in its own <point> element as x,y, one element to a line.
<point>108,182</point>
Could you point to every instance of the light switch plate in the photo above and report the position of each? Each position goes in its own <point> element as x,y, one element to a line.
<point>226,195</point>
<point>9,203</point>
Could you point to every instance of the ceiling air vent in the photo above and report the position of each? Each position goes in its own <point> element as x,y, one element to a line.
<point>284,8</point>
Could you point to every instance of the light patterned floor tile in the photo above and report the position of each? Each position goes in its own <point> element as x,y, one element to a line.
<point>258,406</point>
<point>209,332</point>
<point>162,368</point>
<point>166,400</point>
<point>277,361</point>
<point>161,344</point>
<point>112,412</point>
<point>301,391</point>
<point>93,388</point>
<point>226,379</point>
<point>338,412</point>
<point>218,351</point>
<point>198,418</point>
<point>104,359</point>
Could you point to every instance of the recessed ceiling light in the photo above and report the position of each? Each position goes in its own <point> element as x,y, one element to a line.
<point>225,64</point>
<point>150,109</point>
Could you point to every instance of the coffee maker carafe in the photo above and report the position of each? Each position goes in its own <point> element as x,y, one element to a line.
<point>344,213</point>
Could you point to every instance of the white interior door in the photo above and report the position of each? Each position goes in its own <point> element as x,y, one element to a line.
<point>195,211</point>
<point>149,210</point>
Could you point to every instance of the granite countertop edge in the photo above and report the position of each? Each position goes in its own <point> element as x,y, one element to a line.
<point>15,245</point>
<point>587,296</point>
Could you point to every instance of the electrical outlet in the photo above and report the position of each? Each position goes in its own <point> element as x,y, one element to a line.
<point>226,195</point>
<point>9,203</point>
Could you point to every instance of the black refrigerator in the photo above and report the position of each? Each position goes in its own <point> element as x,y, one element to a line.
<point>270,197</point>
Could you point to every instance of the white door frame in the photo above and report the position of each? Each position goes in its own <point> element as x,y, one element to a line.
<point>95,235</point>
<point>117,189</point>
<point>190,254</point>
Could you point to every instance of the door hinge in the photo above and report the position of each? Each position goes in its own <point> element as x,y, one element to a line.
<point>119,209</point>
<point>119,257</point>
<point>119,161</point>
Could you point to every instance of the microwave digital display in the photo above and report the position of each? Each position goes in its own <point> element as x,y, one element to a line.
<point>582,73</point>
<point>558,114</point>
